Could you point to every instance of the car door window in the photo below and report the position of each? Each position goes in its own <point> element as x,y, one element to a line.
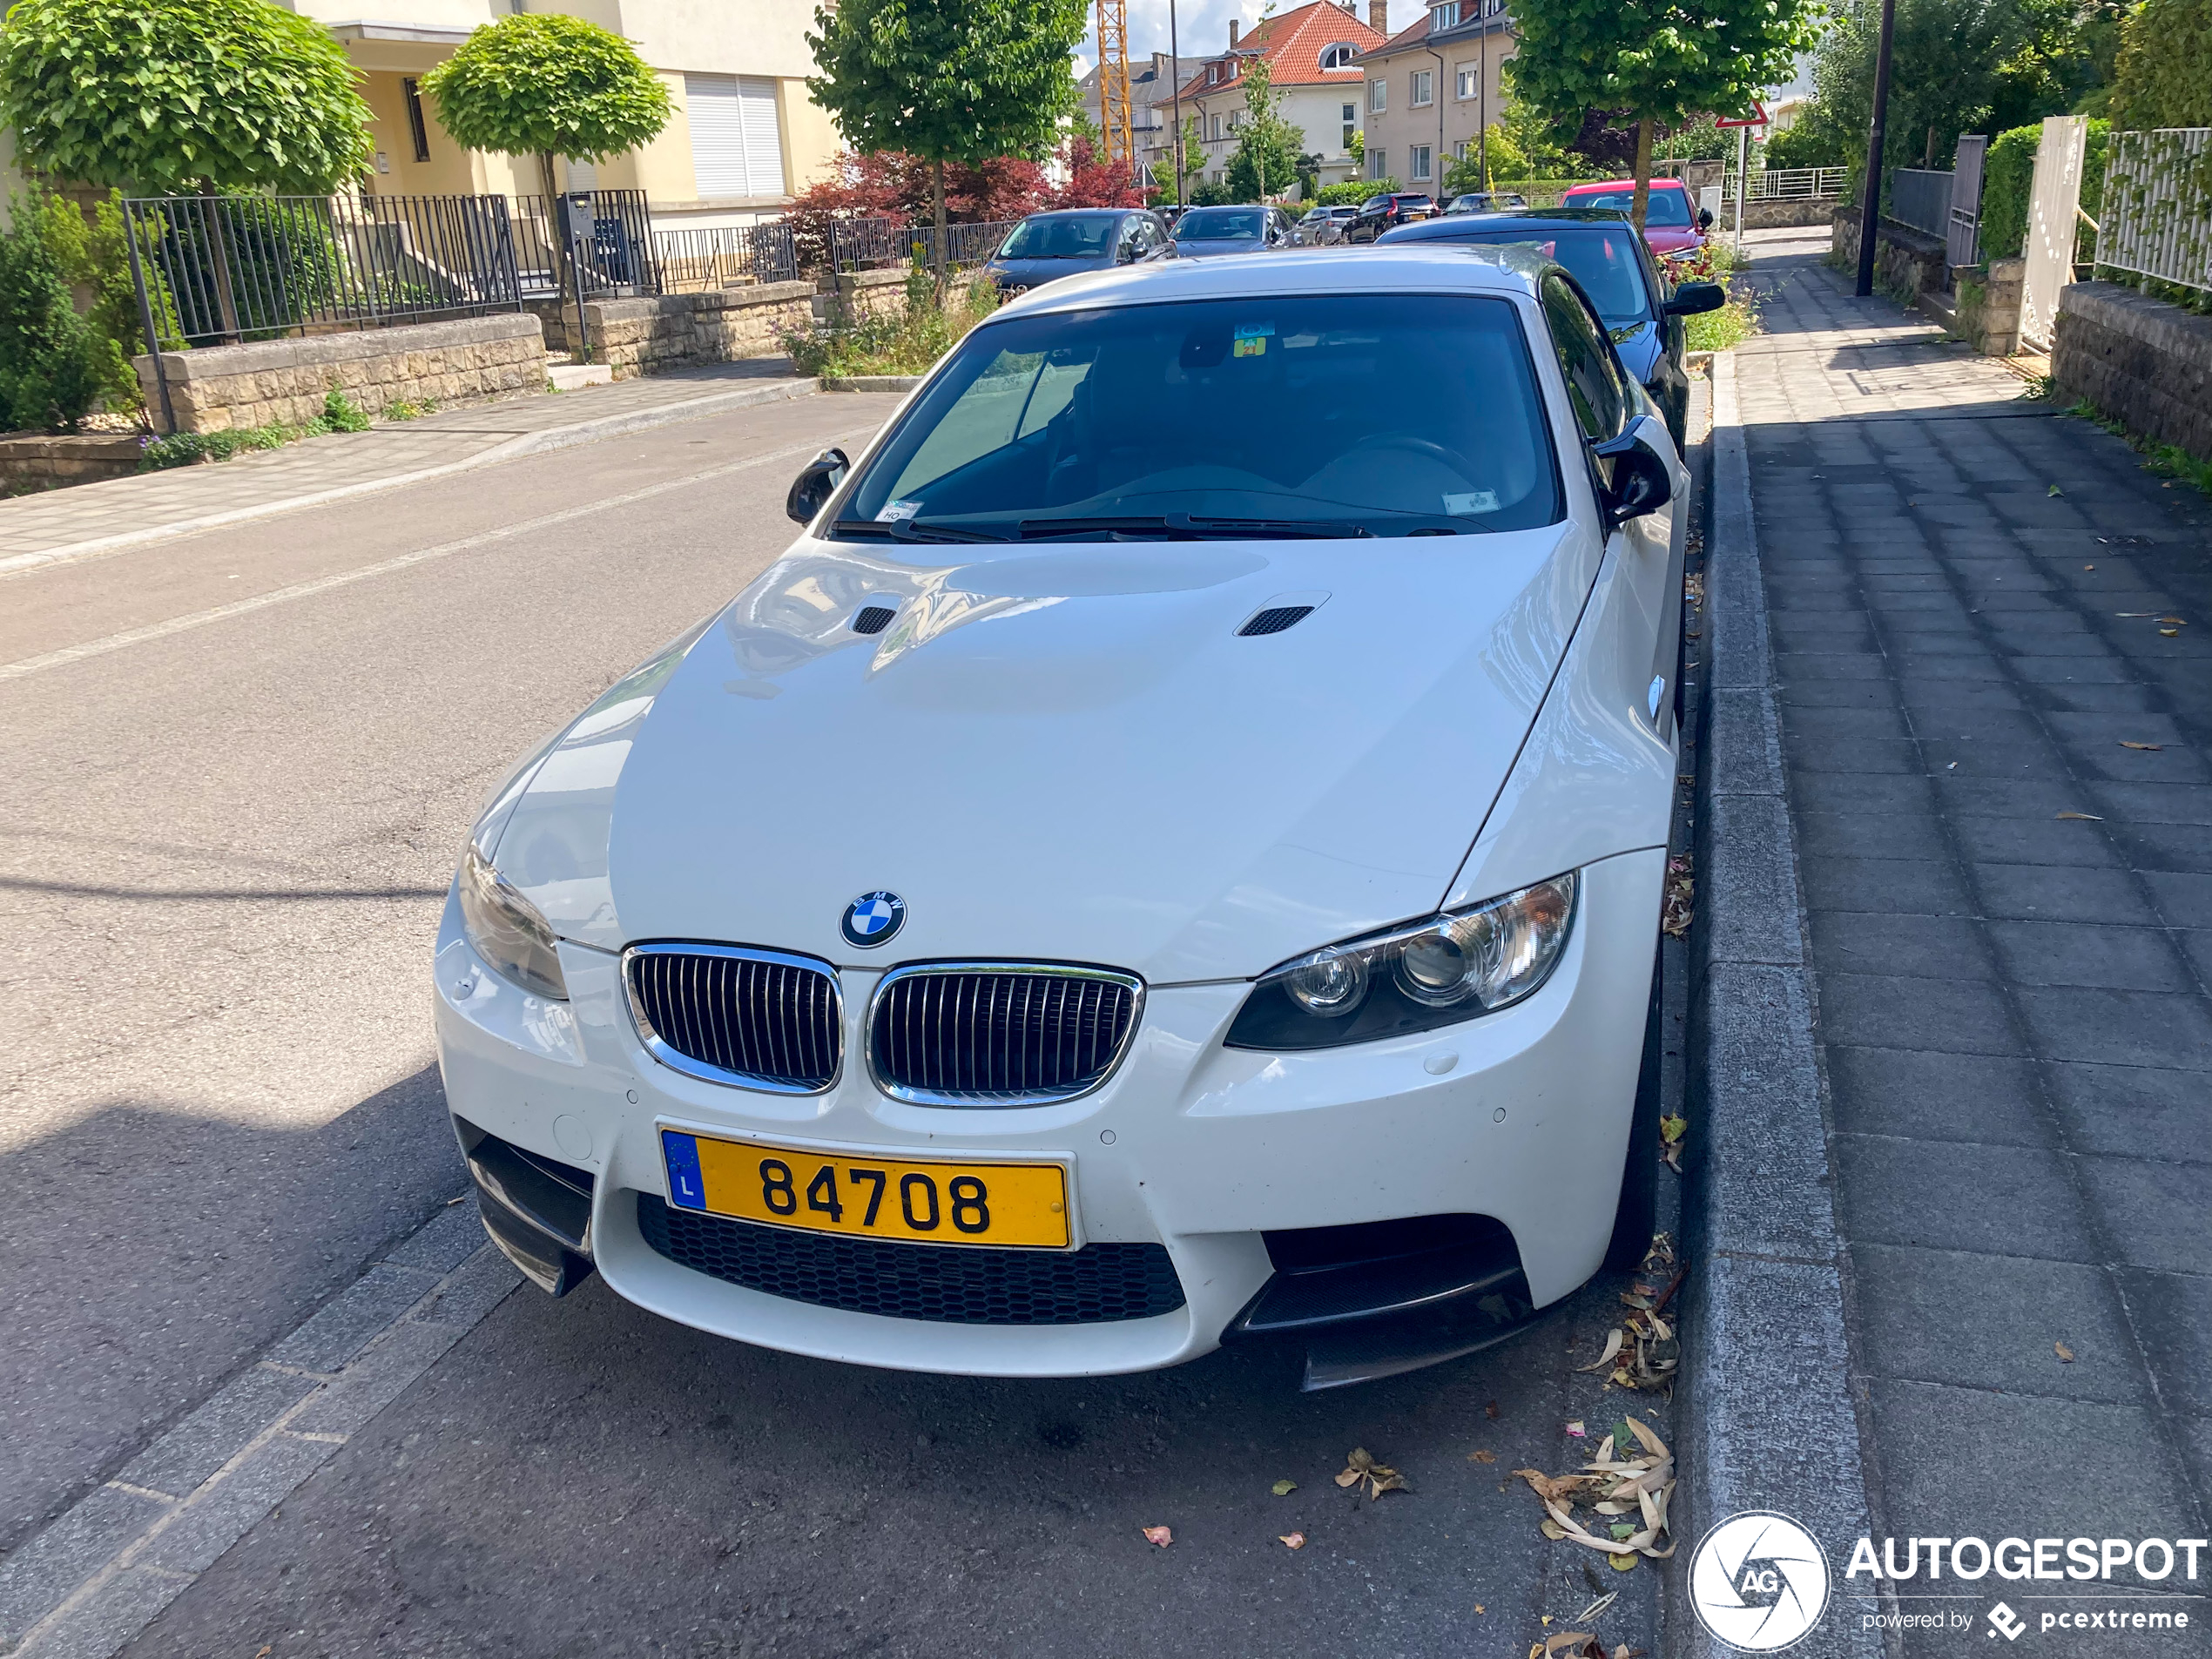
<point>1594,382</point>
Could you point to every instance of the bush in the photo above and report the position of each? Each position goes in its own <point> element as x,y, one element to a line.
<point>2008,181</point>
<point>910,343</point>
<point>2163,77</point>
<point>184,449</point>
<point>96,257</point>
<point>52,368</point>
<point>1350,194</point>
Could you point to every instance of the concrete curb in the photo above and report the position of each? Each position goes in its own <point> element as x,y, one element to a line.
<point>99,1575</point>
<point>872,382</point>
<point>1767,1417</point>
<point>527,443</point>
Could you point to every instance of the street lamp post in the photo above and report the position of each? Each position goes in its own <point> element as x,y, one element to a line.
<point>1869,216</point>
<point>1174,80</point>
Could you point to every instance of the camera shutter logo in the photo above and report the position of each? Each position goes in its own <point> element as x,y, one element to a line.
<point>1758,1582</point>
<point>2006,1622</point>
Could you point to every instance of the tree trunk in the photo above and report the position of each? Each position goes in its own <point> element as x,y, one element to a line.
<point>557,244</point>
<point>219,254</point>
<point>1643,173</point>
<point>937,206</point>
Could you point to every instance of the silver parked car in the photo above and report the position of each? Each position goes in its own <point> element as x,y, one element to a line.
<point>1323,226</point>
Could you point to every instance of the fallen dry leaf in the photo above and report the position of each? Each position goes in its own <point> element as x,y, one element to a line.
<point>1292,1540</point>
<point>1624,1651</point>
<point>1483,1457</point>
<point>1161,1535</point>
<point>1588,1615</point>
<point>1621,1564</point>
<point>2132,613</point>
<point>2170,633</point>
<point>1361,1465</point>
<point>1574,1644</point>
<point>1478,1607</point>
<point>2177,621</point>
<point>2088,567</point>
<point>2090,818</point>
<point>1613,1343</point>
<point>1283,1488</point>
<point>1676,909</point>
<point>2055,490</point>
<point>1672,1127</point>
<point>2152,747</point>
<point>2064,1352</point>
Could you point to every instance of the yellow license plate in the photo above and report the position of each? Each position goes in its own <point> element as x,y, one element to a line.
<point>923,1201</point>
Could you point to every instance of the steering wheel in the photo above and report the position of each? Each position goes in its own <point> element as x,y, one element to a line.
<point>1436,452</point>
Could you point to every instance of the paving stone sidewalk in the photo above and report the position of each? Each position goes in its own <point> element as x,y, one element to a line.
<point>33,529</point>
<point>1995,739</point>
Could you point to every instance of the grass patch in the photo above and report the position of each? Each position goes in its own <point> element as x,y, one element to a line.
<point>2166,460</point>
<point>1735,322</point>
<point>407,410</point>
<point>909,343</point>
<point>184,449</point>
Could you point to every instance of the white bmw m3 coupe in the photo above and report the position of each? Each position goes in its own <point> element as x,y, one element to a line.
<point>1171,855</point>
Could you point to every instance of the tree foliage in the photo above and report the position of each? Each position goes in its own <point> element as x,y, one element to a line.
<point>2163,77</point>
<point>95,256</point>
<point>163,97</point>
<point>51,366</point>
<point>1092,180</point>
<point>1266,160</point>
<point>542,83</point>
<point>948,81</point>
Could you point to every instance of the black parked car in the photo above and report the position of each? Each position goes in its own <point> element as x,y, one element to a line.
<point>1388,212</point>
<point>1204,233</point>
<point>1045,245</point>
<point>1602,252</point>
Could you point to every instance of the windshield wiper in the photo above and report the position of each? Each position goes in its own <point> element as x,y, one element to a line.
<point>1182,527</point>
<point>910,530</point>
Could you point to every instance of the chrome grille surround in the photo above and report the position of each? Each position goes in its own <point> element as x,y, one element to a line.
<point>732,1015</point>
<point>1077,1024</point>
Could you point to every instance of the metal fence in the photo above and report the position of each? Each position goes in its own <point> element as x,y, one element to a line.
<point>2155,220</point>
<point>1790,184</point>
<point>618,258</point>
<point>869,244</point>
<point>1921,198</point>
<point>212,270</point>
<point>725,257</point>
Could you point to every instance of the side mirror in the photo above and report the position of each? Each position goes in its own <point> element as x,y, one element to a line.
<point>1640,480</point>
<point>1704,218</point>
<point>816,485</point>
<point>1694,297</point>
<point>1126,253</point>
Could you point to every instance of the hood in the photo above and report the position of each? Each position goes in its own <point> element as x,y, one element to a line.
<point>1033,274</point>
<point>1672,238</point>
<point>1215,248</point>
<point>1059,753</point>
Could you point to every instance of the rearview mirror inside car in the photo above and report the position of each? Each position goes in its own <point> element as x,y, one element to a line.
<point>1637,478</point>
<point>1694,297</point>
<point>815,485</point>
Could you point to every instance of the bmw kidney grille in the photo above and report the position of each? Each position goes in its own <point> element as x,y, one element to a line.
<point>755,1018</point>
<point>999,1034</point>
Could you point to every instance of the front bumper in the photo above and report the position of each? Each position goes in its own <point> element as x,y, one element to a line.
<point>1521,1116</point>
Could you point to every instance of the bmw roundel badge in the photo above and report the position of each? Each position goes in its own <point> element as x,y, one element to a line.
<point>872,919</point>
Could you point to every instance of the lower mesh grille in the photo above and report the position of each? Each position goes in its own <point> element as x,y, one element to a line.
<point>971,1285</point>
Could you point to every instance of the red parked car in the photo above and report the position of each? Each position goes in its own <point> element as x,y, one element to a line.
<point>1673,223</point>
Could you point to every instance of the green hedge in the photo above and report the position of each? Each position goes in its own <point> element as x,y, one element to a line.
<point>2008,180</point>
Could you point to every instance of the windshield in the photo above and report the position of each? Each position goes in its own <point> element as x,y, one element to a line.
<point>1221,224</point>
<point>1298,414</point>
<point>1603,258</point>
<point>1062,238</point>
<point>1670,207</point>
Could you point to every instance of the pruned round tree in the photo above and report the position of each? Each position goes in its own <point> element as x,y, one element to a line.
<point>542,84</point>
<point>950,81</point>
<point>169,97</point>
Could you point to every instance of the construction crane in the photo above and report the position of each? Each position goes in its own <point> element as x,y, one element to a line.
<point>1113,83</point>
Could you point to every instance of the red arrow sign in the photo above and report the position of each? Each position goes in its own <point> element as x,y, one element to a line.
<point>1756,119</point>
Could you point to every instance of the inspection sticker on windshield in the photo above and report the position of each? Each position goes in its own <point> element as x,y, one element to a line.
<point>1252,339</point>
<point>893,512</point>
<point>1475,501</point>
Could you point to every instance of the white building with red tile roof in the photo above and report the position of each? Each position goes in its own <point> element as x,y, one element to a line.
<point>1311,57</point>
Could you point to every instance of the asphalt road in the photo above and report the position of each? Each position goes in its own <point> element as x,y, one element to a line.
<point>226,842</point>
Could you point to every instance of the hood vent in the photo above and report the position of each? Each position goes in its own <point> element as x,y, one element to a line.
<point>873,619</point>
<point>1274,620</point>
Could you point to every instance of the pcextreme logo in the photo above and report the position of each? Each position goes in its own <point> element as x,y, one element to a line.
<point>1758,1582</point>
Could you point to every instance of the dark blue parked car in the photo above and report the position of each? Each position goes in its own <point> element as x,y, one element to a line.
<point>1045,245</point>
<point>1601,251</point>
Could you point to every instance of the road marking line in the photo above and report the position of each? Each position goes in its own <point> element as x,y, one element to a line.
<point>405,561</point>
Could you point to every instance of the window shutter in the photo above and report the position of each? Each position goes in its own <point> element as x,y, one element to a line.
<point>735,148</point>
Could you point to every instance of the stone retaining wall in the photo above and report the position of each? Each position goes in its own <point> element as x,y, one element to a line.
<point>31,461</point>
<point>2139,359</point>
<point>1987,314</point>
<point>1769,214</point>
<point>1907,262</point>
<point>675,330</point>
<point>218,388</point>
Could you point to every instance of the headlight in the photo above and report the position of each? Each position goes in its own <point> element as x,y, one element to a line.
<point>1437,971</point>
<point>507,930</point>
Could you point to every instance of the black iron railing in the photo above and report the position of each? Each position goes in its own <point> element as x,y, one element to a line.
<point>725,257</point>
<point>873,244</point>
<point>616,258</point>
<point>214,270</point>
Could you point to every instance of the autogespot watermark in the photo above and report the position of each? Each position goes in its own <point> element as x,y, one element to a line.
<point>1760,1582</point>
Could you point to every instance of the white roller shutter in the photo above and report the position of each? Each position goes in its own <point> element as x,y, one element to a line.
<point>735,149</point>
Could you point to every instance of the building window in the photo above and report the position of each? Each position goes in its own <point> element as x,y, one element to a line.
<point>418,129</point>
<point>1213,130</point>
<point>1377,97</point>
<point>1469,86</point>
<point>1419,156</point>
<point>1444,16</point>
<point>1462,149</point>
<point>1351,123</point>
<point>1378,163</point>
<point>1338,56</point>
<point>736,150</point>
<point>1423,87</point>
